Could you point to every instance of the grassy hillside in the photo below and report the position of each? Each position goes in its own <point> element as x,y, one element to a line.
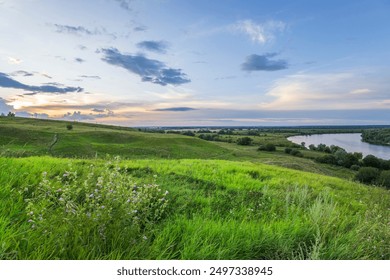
<point>176,197</point>
<point>21,137</point>
<point>29,137</point>
<point>185,209</point>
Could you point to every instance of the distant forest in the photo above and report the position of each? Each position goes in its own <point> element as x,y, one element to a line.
<point>377,136</point>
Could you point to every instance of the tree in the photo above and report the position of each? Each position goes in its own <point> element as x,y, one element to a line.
<point>244,141</point>
<point>11,115</point>
<point>372,161</point>
<point>69,126</point>
<point>188,133</point>
<point>267,147</point>
<point>384,179</point>
<point>367,175</point>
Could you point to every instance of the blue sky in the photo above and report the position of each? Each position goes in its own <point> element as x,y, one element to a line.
<point>182,62</point>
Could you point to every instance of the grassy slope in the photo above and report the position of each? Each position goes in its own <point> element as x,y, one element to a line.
<point>217,210</point>
<point>235,208</point>
<point>29,137</point>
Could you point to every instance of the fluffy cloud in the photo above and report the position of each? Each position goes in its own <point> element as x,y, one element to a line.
<point>77,116</point>
<point>7,82</point>
<point>327,91</point>
<point>149,70</point>
<point>153,46</point>
<point>13,60</point>
<point>264,62</point>
<point>259,32</point>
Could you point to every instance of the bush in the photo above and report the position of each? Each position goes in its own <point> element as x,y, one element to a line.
<point>287,150</point>
<point>371,161</point>
<point>384,179</point>
<point>367,175</point>
<point>69,126</point>
<point>244,141</point>
<point>102,203</point>
<point>267,147</point>
<point>355,167</point>
<point>296,153</point>
<point>329,159</point>
<point>188,133</point>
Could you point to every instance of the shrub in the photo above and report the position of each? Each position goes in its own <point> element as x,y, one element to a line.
<point>104,202</point>
<point>367,175</point>
<point>371,161</point>
<point>384,179</point>
<point>296,153</point>
<point>69,126</point>
<point>188,133</point>
<point>267,147</point>
<point>355,167</point>
<point>287,150</point>
<point>244,141</point>
<point>329,159</point>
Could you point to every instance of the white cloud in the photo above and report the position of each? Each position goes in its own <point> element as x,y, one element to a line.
<point>326,91</point>
<point>13,60</point>
<point>259,32</point>
<point>361,91</point>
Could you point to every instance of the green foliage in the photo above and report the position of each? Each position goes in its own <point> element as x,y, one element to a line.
<point>367,175</point>
<point>384,179</point>
<point>377,136</point>
<point>371,161</point>
<point>267,147</point>
<point>293,152</point>
<point>355,167</point>
<point>188,133</point>
<point>244,141</point>
<point>93,207</point>
<point>69,126</point>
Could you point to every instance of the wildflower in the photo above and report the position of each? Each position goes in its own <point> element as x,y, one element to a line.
<point>31,213</point>
<point>91,195</point>
<point>144,237</point>
<point>166,192</point>
<point>61,199</point>
<point>102,207</point>
<point>30,221</point>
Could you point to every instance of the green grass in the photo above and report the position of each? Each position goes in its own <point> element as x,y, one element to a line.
<point>216,210</point>
<point>21,137</point>
<point>224,201</point>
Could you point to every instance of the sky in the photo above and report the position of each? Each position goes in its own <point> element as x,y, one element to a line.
<point>197,63</point>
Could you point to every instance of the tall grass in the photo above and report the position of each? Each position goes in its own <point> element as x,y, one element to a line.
<point>212,210</point>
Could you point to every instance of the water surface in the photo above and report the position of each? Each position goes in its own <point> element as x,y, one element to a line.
<point>351,142</point>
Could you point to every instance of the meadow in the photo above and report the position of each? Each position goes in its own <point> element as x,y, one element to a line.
<point>176,197</point>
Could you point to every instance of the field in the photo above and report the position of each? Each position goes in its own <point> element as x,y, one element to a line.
<point>170,196</point>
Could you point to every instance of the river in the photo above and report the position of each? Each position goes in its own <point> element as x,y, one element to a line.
<point>351,142</point>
